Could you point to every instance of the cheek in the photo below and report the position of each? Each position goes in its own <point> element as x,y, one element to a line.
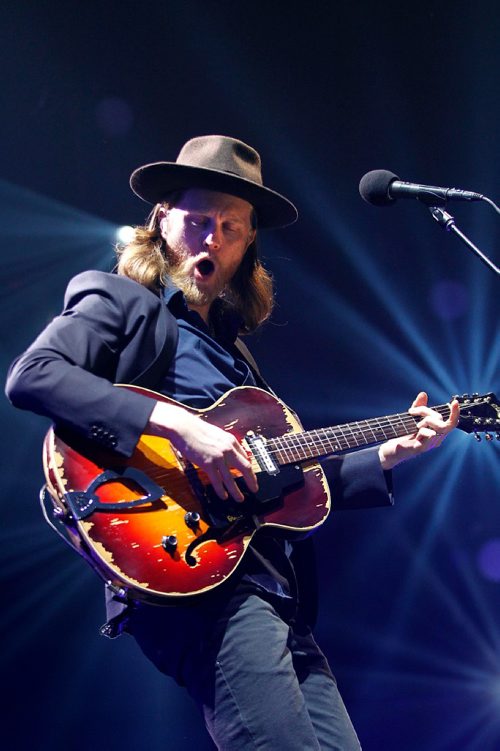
<point>173,231</point>
<point>236,259</point>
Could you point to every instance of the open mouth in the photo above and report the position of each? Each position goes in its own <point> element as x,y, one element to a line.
<point>205,267</point>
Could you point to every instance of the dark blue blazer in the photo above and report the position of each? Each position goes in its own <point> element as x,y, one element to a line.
<point>114,330</point>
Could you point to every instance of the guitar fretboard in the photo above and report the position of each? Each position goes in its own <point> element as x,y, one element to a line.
<point>311,444</point>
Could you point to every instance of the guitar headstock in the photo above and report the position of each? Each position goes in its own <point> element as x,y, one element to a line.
<point>479,414</point>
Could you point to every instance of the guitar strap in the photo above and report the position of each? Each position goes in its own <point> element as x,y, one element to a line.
<point>250,361</point>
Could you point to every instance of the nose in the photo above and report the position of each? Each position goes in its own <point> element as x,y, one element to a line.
<point>213,237</point>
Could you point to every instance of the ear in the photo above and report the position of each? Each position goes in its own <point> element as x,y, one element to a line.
<point>158,212</point>
<point>251,237</point>
<point>162,221</point>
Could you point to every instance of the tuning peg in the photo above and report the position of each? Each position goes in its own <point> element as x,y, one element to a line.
<point>488,436</point>
<point>477,437</point>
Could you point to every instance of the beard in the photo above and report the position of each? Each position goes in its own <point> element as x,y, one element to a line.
<point>180,274</point>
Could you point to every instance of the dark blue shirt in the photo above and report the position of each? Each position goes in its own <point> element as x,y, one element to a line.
<point>206,363</point>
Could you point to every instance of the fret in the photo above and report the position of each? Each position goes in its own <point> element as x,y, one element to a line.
<point>374,438</point>
<point>380,431</point>
<point>336,439</point>
<point>388,427</point>
<point>284,451</point>
<point>323,440</point>
<point>358,435</point>
<point>403,425</point>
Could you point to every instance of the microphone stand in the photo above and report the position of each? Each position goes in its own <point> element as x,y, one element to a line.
<point>447,222</point>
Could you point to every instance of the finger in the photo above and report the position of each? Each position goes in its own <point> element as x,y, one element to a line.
<point>454,414</point>
<point>242,463</point>
<point>420,400</point>
<point>217,484</point>
<point>244,467</point>
<point>233,444</point>
<point>250,479</point>
<point>434,421</point>
<point>230,483</point>
<point>428,438</point>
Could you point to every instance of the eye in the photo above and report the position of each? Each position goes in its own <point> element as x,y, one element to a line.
<point>197,220</point>
<point>232,227</point>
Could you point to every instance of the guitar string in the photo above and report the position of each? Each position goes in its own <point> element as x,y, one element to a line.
<point>293,446</point>
<point>342,437</point>
<point>313,443</point>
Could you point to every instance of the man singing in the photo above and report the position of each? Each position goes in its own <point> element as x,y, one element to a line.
<point>187,285</point>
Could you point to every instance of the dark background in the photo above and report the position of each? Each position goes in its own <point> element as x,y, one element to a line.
<point>373,305</point>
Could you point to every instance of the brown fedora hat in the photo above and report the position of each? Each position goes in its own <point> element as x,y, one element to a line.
<point>215,163</point>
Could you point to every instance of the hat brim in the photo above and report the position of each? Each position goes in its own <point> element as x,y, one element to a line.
<point>153,183</point>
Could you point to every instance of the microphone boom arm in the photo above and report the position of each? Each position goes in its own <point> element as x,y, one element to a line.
<point>447,222</point>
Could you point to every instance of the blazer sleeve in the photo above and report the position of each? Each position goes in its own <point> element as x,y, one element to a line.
<point>67,374</point>
<point>358,481</point>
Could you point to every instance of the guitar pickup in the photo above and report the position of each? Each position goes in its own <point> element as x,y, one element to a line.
<point>260,453</point>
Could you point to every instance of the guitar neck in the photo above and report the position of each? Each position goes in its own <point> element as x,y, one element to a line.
<point>313,444</point>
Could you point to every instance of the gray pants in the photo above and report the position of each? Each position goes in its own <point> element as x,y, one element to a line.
<point>260,683</point>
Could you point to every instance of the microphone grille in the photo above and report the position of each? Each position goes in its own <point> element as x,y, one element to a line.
<point>374,187</point>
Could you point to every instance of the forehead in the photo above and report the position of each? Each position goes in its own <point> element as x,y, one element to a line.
<point>211,201</point>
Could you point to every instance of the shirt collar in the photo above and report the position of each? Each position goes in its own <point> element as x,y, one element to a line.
<point>170,291</point>
<point>226,323</point>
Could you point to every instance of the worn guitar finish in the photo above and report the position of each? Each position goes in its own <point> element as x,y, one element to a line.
<point>153,528</point>
<point>129,549</point>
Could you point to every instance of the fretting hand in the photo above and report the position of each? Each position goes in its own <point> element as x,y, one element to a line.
<point>432,429</point>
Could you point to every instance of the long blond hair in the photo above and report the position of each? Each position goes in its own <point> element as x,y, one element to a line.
<point>146,259</point>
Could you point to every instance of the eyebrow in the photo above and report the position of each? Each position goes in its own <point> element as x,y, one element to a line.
<point>226,217</point>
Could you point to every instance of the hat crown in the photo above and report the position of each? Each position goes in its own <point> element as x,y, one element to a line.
<point>223,154</point>
<point>218,163</point>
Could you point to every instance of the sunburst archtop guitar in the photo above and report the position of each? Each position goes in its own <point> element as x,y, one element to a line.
<point>152,527</point>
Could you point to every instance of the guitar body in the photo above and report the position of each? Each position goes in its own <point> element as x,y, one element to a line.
<point>153,527</point>
<point>176,539</point>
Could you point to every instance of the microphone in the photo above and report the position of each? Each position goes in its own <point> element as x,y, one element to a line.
<point>381,188</point>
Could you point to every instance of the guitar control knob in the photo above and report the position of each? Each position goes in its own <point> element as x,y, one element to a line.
<point>192,519</point>
<point>169,543</point>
